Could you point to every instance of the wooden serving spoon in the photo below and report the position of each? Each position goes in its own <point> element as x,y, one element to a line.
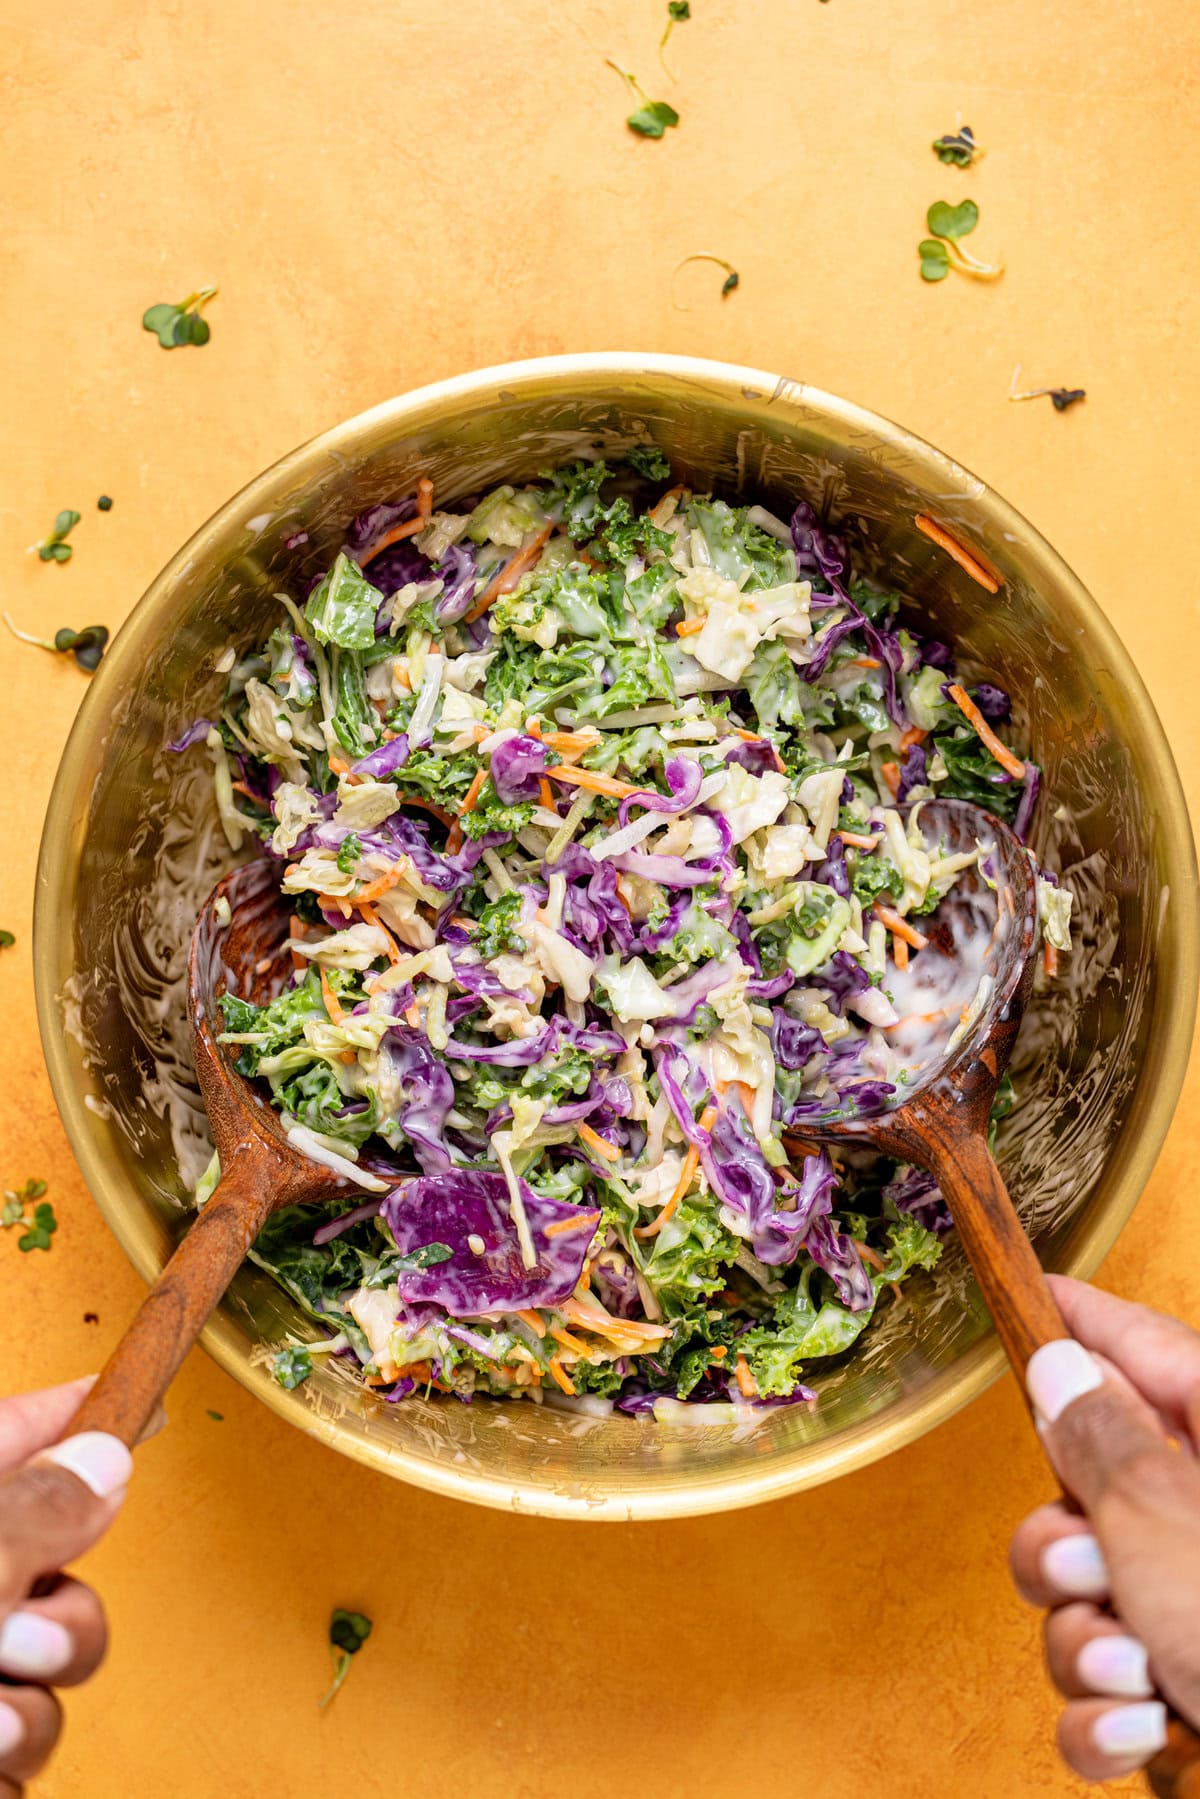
<point>260,1170</point>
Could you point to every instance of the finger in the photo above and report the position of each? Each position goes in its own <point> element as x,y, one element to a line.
<point>1159,1355</point>
<point>30,1721</point>
<point>57,1506</point>
<point>1088,1652</point>
<point>1098,1433</point>
<point>1054,1556</point>
<point>32,1421</point>
<point>1101,1740</point>
<point>59,1639</point>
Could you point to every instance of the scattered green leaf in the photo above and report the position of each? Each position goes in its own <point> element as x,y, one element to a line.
<point>42,1228</point>
<point>651,118</point>
<point>650,461</point>
<point>13,1209</point>
<point>957,148</point>
<point>291,1366</point>
<point>217,1417</point>
<point>948,224</point>
<point>87,646</point>
<point>52,548</point>
<point>104,503</point>
<point>182,324</point>
<point>348,1631</point>
<point>677,12</point>
<point>6,940</point>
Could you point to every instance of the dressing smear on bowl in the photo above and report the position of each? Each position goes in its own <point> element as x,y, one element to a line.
<point>598,805</point>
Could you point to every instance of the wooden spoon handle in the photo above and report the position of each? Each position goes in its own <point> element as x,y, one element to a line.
<point>173,1313</point>
<point>1006,1267</point>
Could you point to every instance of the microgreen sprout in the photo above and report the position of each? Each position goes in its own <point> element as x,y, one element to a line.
<point>87,646</point>
<point>958,148</point>
<point>651,117</point>
<point>1060,397</point>
<point>677,12</point>
<point>941,251</point>
<point>348,1631</point>
<point>732,278</point>
<point>182,324</point>
<point>52,547</point>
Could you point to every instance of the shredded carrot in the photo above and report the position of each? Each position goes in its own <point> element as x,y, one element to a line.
<point>565,1227</point>
<point>404,678</point>
<point>690,1163</point>
<point>899,952</point>
<point>855,841</point>
<point>533,728</point>
<point>369,914</point>
<point>409,528</point>
<point>335,902</point>
<point>335,1012</point>
<point>863,662</point>
<point>338,764</point>
<point>891,774</point>
<point>974,717</point>
<point>599,1144</point>
<point>567,1340</point>
<point>241,787</point>
<point>597,783</point>
<point>546,794</point>
<point>383,884</point>
<point>869,1255</point>
<point>509,575</point>
<point>965,559</point>
<point>473,792</point>
<point>439,812</point>
<point>571,743</point>
<point>914,734</point>
<point>560,1375</point>
<point>584,1284</point>
<point>718,1352</point>
<point>744,1378</point>
<point>687,627</point>
<point>534,1321</point>
<point>707,1118</point>
<point>1050,959</point>
<point>900,927</point>
<point>672,493</point>
<point>413,1016</point>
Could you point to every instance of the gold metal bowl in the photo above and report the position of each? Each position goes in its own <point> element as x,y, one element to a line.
<point>129,850</point>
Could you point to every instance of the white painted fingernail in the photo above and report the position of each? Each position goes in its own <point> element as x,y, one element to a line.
<point>1076,1567</point>
<point>12,1729</point>
<point>1131,1730</point>
<point>1058,1373</point>
<point>32,1647</point>
<point>1115,1665</point>
<point>102,1462</point>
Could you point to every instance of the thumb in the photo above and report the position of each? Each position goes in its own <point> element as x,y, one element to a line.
<point>56,1506</point>
<point>1095,1429</point>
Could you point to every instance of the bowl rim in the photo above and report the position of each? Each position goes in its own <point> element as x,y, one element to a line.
<point>863,1443</point>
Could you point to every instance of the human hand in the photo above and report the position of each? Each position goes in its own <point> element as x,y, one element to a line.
<point>56,1500</point>
<point>1119,1412</point>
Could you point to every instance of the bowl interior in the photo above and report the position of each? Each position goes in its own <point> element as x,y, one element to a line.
<point>132,846</point>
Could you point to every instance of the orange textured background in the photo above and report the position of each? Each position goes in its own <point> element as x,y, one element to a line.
<point>388,193</point>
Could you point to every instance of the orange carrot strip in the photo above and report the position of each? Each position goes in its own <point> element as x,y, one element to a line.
<point>567,1340</point>
<point>439,812</point>
<point>914,734</point>
<point>718,1352</point>
<point>690,1163</point>
<point>473,792</point>
<point>744,1378</point>
<point>565,1227</point>
<point>1050,959</point>
<point>597,783</point>
<point>979,724</point>
<point>891,774</point>
<point>296,933</point>
<point>939,535</point>
<point>241,787</point>
<point>863,662</point>
<point>707,1118</point>
<point>546,794</point>
<point>368,912</point>
<point>899,927</point>
<point>335,902</point>
<point>533,728</point>
<point>382,884</point>
<point>869,1255</point>
<point>404,678</point>
<point>560,1375</point>
<point>855,841</point>
<point>335,1012</point>
<point>672,493</point>
<point>509,575</point>
<point>409,528</point>
<point>534,1321</point>
<point>338,764</point>
<point>600,1145</point>
<point>899,952</point>
<point>571,742</point>
<point>687,627</point>
<point>413,1016</point>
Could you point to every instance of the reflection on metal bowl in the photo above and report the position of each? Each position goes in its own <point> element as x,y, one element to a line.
<point>130,848</point>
